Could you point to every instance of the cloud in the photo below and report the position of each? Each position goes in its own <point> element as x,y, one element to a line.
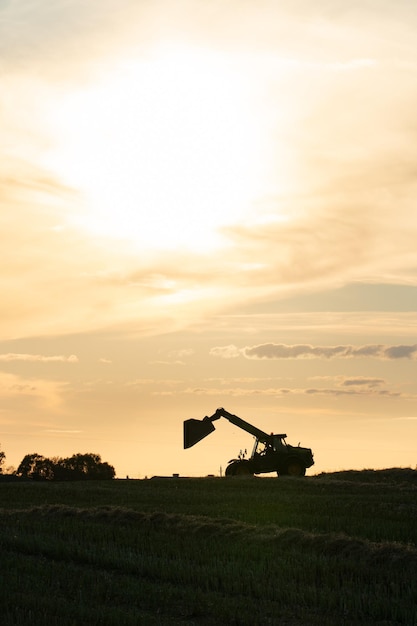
<point>353,392</point>
<point>306,351</point>
<point>36,392</point>
<point>162,362</point>
<point>38,358</point>
<point>182,352</point>
<point>336,198</point>
<point>401,352</point>
<point>61,431</point>
<point>56,37</point>
<point>226,352</point>
<point>362,381</point>
<point>350,381</point>
<point>286,391</point>
<point>143,383</point>
<point>244,379</point>
<point>262,387</point>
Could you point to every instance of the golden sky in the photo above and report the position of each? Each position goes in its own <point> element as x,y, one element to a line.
<point>208,204</point>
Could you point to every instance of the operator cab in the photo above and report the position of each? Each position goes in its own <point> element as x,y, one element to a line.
<point>278,441</point>
<point>262,447</point>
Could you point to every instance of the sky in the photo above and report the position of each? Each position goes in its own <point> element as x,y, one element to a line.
<point>208,204</point>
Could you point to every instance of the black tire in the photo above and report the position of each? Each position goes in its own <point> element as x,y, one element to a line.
<point>230,469</point>
<point>243,469</point>
<point>295,468</point>
<point>239,468</point>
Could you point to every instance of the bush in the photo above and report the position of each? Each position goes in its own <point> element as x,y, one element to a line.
<point>78,467</point>
<point>2,459</point>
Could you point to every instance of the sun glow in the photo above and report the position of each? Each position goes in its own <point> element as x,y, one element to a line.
<point>165,150</point>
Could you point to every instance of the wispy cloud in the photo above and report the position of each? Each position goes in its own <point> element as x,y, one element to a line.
<point>352,381</point>
<point>62,431</point>
<point>38,358</point>
<point>286,391</point>
<point>362,381</point>
<point>332,386</point>
<point>226,352</point>
<point>307,351</point>
<point>36,392</point>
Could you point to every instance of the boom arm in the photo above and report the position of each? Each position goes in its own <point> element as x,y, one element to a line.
<point>240,423</point>
<point>195,430</point>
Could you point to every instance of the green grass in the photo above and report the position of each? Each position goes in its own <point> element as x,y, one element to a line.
<point>321,550</point>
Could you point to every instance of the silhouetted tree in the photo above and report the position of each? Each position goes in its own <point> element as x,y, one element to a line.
<point>36,466</point>
<point>78,467</point>
<point>61,472</point>
<point>106,471</point>
<point>87,467</point>
<point>2,459</point>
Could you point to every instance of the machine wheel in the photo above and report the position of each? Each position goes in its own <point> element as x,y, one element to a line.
<point>295,468</point>
<point>243,469</point>
<point>238,468</point>
<point>230,469</point>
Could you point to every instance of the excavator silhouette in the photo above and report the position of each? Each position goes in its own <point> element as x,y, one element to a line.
<point>270,453</point>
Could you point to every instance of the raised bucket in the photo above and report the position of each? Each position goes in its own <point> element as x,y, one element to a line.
<point>196,430</point>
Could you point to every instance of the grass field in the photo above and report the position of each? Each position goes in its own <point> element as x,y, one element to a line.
<point>329,549</point>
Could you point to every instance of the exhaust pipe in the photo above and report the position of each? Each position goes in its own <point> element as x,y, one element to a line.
<point>196,430</point>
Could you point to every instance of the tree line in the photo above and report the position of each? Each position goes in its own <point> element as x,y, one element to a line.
<point>87,466</point>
